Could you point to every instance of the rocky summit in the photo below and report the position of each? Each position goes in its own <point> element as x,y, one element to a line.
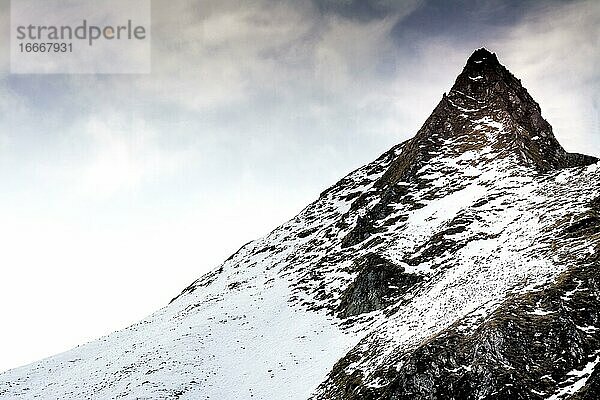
<point>461,264</point>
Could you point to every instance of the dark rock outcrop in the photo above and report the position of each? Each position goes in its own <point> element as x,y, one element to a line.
<point>379,284</point>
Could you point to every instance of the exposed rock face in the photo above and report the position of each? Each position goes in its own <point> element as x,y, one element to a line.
<point>461,264</point>
<point>378,285</point>
<point>534,346</point>
<point>485,82</point>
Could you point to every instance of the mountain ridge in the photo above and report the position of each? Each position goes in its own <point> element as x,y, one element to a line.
<point>405,279</point>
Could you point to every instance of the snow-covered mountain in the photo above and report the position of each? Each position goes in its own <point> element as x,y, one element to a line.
<point>461,264</point>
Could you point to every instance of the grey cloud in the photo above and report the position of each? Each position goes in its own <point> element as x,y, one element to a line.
<point>367,9</point>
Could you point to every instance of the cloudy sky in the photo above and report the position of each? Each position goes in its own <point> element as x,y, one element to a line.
<point>117,191</point>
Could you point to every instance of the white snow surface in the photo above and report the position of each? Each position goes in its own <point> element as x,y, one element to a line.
<point>225,344</point>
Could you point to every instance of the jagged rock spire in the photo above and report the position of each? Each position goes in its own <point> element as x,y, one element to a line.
<point>486,109</point>
<point>481,75</point>
<point>486,85</point>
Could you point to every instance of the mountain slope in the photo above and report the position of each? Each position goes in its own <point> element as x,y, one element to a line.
<point>460,264</point>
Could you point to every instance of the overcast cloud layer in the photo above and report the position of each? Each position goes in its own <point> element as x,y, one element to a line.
<point>118,191</point>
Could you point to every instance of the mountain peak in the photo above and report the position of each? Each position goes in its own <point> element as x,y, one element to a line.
<point>481,56</point>
<point>490,115</point>
<point>483,76</point>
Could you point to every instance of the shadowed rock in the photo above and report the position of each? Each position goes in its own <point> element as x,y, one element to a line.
<point>379,284</point>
